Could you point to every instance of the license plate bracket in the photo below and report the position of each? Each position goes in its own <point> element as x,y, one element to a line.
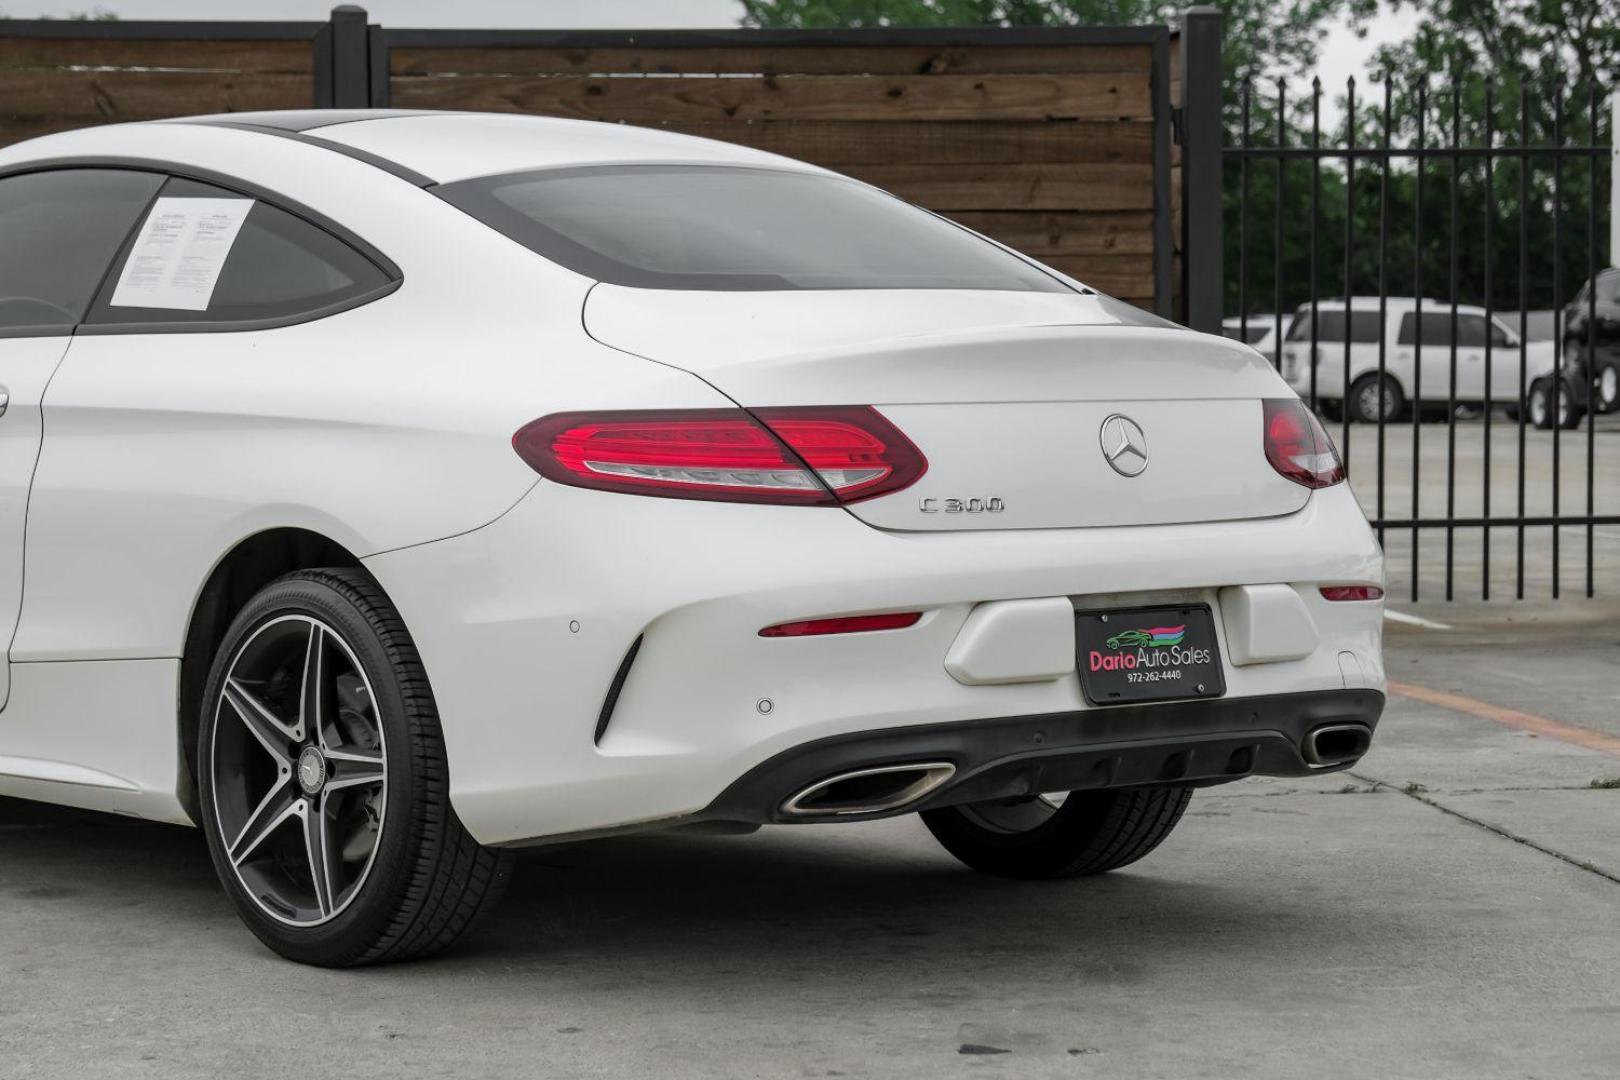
<point>1158,653</point>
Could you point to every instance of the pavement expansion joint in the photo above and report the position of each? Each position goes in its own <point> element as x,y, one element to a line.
<point>1424,796</point>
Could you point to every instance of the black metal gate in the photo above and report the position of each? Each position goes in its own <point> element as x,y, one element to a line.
<point>1333,240</point>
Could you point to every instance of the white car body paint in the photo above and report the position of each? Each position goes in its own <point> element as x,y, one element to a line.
<point>27,364</point>
<point>387,428</point>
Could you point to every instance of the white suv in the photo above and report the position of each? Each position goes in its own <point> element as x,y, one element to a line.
<point>1397,329</point>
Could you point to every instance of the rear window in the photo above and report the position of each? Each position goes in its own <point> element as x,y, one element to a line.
<point>1471,330</point>
<point>1364,325</point>
<point>739,229</point>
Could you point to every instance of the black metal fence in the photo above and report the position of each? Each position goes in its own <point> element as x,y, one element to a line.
<point>1492,200</point>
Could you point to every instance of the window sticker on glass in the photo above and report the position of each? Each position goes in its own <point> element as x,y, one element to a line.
<point>177,257</point>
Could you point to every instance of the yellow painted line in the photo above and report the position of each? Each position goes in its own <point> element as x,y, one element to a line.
<point>1513,718</point>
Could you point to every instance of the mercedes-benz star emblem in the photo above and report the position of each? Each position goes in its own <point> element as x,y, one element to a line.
<point>312,770</point>
<point>1123,445</point>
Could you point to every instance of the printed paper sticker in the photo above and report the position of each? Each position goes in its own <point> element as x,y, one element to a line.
<point>179,253</point>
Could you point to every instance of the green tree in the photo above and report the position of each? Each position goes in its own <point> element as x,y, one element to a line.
<point>1575,42</point>
<point>1544,59</point>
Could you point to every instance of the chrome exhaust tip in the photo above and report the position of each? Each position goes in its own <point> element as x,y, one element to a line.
<point>1335,744</point>
<point>869,791</point>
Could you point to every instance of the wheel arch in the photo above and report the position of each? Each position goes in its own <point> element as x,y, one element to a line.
<point>1370,371</point>
<point>254,562</point>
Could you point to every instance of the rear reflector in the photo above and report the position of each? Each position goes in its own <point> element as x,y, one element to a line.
<point>1297,446</point>
<point>1352,592</point>
<point>849,624</point>
<point>804,456</point>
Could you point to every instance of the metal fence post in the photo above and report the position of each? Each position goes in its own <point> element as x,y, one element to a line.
<point>351,58</point>
<point>1202,81</point>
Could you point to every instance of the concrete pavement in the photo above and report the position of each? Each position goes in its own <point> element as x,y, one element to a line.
<point>1447,910</point>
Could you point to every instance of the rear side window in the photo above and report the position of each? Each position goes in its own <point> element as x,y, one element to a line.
<point>1471,330</point>
<point>1365,326</point>
<point>739,229</point>
<point>1436,328</point>
<point>58,232</point>
<point>205,255</point>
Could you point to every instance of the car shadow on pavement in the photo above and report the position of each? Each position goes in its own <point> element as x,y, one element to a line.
<point>794,901</point>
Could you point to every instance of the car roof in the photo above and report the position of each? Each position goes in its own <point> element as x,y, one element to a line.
<point>1393,304</point>
<point>443,147</point>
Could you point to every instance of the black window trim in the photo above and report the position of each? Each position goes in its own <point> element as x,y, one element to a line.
<point>393,168</point>
<point>246,188</point>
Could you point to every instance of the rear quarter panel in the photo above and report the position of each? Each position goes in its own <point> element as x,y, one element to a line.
<point>382,427</point>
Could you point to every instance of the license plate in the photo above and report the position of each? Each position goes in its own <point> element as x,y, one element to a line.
<point>1148,654</point>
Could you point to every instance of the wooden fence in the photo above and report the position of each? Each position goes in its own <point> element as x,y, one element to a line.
<point>1057,142</point>
<point>57,75</point>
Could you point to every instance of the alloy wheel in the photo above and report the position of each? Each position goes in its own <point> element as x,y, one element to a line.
<point>1015,815</point>
<point>299,770</point>
<point>1376,399</point>
<point>1539,406</point>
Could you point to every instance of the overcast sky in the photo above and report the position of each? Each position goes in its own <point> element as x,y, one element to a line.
<point>1343,54</point>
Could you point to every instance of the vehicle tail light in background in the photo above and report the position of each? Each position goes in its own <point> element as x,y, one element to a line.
<point>848,624</point>
<point>804,456</point>
<point>1352,592</point>
<point>1297,446</point>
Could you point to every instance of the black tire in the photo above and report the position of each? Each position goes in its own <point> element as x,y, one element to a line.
<point>1091,832</point>
<point>1365,399</point>
<point>426,880</point>
<point>1544,413</point>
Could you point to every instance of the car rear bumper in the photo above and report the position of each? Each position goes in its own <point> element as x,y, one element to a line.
<point>1196,743</point>
<point>557,722</point>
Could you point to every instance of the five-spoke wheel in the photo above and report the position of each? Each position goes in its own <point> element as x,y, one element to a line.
<point>323,783</point>
<point>298,760</point>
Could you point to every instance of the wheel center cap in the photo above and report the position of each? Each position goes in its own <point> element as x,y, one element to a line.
<point>312,770</point>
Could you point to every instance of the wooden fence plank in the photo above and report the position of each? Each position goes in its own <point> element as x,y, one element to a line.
<point>776,60</point>
<point>267,57</point>
<point>16,129</point>
<point>110,96</point>
<point>1050,233</point>
<point>839,143</point>
<point>792,97</point>
<point>1016,187</point>
<point>1126,276</point>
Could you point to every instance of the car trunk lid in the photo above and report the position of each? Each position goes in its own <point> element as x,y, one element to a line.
<point>1034,410</point>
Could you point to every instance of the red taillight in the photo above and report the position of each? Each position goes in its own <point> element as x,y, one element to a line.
<point>807,456</point>
<point>848,624</point>
<point>1296,445</point>
<point>1352,592</point>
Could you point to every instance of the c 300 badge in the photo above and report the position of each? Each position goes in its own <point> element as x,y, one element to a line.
<point>988,505</point>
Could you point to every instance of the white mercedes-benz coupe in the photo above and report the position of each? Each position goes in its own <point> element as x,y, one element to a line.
<point>385,491</point>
